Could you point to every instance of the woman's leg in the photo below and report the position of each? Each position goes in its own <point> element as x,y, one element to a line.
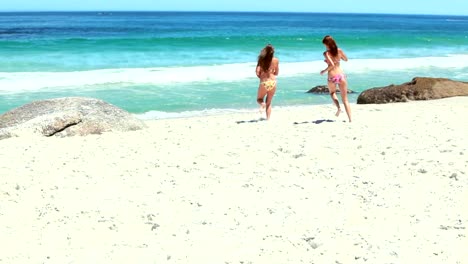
<point>260,96</point>
<point>269,99</point>
<point>332,89</point>
<point>344,97</point>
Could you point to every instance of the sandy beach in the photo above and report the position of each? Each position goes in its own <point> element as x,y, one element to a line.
<point>304,187</point>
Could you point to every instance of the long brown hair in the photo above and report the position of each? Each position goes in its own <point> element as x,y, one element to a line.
<point>265,57</point>
<point>331,44</point>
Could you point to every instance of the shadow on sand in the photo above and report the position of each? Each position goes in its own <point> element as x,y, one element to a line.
<point>252,121</point>
<point>314,122</point>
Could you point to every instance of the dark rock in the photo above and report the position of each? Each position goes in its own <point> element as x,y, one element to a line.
<point>420,88</point>
<point>68,116</point>
<point>323,89</point>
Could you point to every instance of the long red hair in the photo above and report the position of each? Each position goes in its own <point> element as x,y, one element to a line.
<point>331,44</point>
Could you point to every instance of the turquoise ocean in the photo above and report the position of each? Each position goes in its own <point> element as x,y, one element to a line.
<point>172,64</point>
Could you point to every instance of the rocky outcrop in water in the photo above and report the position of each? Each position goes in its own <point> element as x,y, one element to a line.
<point>323,89</point>
<point>68,116</point>
<point>420,88</point>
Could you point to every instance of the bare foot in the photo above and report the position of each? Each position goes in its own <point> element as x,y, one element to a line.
<point>338,112</point>
<point>262,108</point>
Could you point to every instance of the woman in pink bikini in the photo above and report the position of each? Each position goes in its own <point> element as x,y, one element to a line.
<point>336,76</point>
<point>267,70</point>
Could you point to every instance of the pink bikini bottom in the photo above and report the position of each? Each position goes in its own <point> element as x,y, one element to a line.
<point>337,78</point>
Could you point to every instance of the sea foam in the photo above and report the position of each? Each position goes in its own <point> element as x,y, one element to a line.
<point>14,82</point>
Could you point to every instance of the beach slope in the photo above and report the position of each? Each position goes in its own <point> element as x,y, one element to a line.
<point>304,187</point>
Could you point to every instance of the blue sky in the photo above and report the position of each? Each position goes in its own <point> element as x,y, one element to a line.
<point>450,7</point>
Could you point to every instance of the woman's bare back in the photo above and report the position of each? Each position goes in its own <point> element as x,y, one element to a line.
<point>271,73</point>
<point>335,61</point>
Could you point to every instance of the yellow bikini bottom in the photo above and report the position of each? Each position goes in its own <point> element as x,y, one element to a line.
<point>269,84</point>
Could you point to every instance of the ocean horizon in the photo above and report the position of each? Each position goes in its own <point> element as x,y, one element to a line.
<point>171,64</point>
<point>220,11</point>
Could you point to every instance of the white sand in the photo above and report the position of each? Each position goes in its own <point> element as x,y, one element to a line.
<point>391,187</point>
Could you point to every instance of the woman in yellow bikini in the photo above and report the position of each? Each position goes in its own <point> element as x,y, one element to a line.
<point>267,70</point>
<point>336,76</point>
